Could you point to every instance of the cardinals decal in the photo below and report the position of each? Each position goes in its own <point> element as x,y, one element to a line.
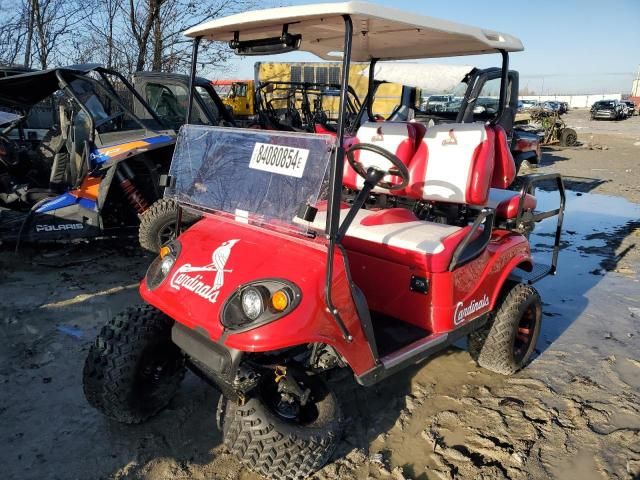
<point>194,279</point>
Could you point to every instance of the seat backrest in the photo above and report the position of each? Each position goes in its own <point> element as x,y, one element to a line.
<point>399,138</point>
<point>453,164</point>
<point>504,170</point>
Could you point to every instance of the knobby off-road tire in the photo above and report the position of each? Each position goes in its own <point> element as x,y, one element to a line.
<point>278,448</point>
<point>158,224</point>
<point>133,369</point>
<point>568,137</point>
<point>495,346</point>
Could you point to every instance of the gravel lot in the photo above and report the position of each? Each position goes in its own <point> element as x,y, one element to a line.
<point>574,413</point>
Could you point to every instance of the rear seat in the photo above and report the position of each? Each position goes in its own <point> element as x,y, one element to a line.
<point>453,164</point>
<point>399,138</point>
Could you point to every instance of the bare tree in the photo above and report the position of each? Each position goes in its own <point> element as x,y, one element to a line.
<point>127,35</point>
<point>13,32</point>
<point>168,19</point>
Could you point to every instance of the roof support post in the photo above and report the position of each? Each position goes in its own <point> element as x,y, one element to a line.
<point>504,83</point>
<point>371,88</point>
<point>335,179</point>
<point>192,77</point>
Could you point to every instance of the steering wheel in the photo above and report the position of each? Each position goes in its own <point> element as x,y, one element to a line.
<point>400,169</point>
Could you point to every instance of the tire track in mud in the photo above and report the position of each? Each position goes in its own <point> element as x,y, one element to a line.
<point>538,425</point>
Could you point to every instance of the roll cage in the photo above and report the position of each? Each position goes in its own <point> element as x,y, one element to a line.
<point>23,92</point>
<point>305,98</point>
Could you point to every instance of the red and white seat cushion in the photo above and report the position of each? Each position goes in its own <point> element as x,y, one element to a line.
<point>453,164</point>
<point>399,138</point>
<point>397,235</point>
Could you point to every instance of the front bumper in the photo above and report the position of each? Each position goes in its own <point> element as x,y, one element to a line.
<point>218,362</point>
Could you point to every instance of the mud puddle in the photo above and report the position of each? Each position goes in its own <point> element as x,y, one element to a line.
<point>574,413</point>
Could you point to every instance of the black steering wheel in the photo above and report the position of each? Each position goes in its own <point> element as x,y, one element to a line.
<point>400,169</point>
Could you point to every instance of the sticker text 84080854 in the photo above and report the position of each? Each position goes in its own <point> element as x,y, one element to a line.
<point>279,159</point>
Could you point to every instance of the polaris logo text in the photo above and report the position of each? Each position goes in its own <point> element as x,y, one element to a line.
<point>58,228</point>
<point>461,313</point>
<point>195,283</point>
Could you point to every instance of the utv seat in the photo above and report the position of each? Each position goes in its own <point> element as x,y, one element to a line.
<point>399,138</point>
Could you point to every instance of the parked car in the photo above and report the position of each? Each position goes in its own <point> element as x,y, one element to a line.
<point>631,106</point>
<point>436,103</point>
<point>564,107</point>
<point>529,104</point>
<point>550,106</point>
<point>607,110</point>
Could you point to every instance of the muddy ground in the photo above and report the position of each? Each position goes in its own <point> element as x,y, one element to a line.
<point>574,413</point>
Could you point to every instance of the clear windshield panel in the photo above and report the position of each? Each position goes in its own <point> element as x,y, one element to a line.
<point>257,176</point>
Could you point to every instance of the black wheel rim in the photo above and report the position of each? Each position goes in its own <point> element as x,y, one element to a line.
<point>525,333</point>
<point>167,233</point>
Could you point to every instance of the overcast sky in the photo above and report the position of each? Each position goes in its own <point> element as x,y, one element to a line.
<point>571,46</point>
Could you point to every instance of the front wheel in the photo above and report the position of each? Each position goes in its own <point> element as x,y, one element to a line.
<point>133,369</point>
<point>279,439</point>
<point>507,342</point>
<point>158,224</point>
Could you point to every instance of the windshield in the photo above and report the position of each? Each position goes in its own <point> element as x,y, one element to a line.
<point>604,105</point>
<point>256,176</point>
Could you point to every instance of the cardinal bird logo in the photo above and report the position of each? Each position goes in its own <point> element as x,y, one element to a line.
<point>219,260</point>
<point>452,140</point>
<point>378,137</point>
<point>184,276</point>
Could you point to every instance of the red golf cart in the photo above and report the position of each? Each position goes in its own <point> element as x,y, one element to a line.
<point>316,252</point>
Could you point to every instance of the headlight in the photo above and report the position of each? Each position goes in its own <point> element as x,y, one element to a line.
<point>252,303</point>
<point>163,264</point>
<point>259,302</point>
<point>166,264</point>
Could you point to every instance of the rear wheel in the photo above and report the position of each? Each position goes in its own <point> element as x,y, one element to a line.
<point>507,342</point>
<point>158,224</point>
<point>133,369</point>
<point>280,439</point>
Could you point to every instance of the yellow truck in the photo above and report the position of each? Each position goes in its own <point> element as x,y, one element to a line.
<point>239,95</point>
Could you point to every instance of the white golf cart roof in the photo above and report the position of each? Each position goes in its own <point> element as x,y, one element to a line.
<point>378,32</point>
<point>431,78</point>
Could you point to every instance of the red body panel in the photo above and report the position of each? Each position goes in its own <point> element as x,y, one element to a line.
<point>260,254</point>
<point>385,283</point>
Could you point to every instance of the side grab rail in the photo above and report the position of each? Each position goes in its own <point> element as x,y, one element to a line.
<point>530,182</point>
<point>473,245</point>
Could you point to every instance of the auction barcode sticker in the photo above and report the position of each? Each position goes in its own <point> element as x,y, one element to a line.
<point>279,159</point>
